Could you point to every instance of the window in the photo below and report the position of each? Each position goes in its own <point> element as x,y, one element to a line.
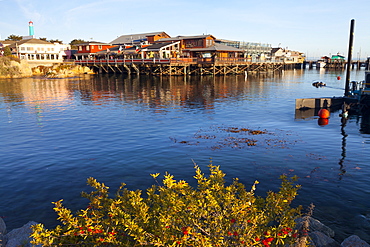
<point>80,48</point>
<point>87,48</point>
<point>100,47</point>
<point>23,48</point>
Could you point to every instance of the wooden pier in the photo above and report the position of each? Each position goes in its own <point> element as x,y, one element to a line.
<point>185,66</point>
<point>338,65</point>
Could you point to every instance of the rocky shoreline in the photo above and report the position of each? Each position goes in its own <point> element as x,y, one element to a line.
<point>319,235</point>
<point>13,68</point>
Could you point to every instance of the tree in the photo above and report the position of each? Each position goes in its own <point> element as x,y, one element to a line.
<point>14,37</point>
<point>52,40</point>
<point>55,41</point>
<point>7,51</point>
<point>75,42</point>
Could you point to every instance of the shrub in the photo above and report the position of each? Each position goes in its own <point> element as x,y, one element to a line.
<point>6,68</point>
<point>175,214</point>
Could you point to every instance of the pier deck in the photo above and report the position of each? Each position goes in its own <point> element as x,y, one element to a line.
<point>185,66</point>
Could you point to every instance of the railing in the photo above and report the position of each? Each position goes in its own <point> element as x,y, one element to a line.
<point>122,61</point>
<point>192,60</point>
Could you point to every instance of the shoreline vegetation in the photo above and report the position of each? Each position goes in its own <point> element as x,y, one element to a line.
<point>12,67</point>
<point>173,213</point>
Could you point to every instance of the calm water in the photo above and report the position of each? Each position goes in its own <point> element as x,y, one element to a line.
<point>57,133</point>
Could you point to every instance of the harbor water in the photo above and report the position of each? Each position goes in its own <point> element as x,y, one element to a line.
<point>55,133</point>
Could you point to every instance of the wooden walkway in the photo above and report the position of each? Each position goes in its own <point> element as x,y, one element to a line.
<point>338,65</point>
<point>185,66</point>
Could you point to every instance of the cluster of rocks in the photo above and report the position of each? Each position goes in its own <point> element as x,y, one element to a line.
<point>13,68</point>
<point>319,235</point>
<point>61,71</point>
<point>16,237</point>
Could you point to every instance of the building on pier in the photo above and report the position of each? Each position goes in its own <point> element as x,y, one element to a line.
<point>88,50</point>
<point>285,55</point>
<point>139,39</point>
<point>251,50</point>
<point>159,54</point>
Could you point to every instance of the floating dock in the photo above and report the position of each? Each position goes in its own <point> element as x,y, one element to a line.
<point>318,103</point>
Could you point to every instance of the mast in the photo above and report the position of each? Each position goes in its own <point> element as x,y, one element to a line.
<point>350,46</point>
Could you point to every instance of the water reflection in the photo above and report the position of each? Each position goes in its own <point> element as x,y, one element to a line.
<point>365,123</point>
<point>155,92</point>
<point>342,169</point>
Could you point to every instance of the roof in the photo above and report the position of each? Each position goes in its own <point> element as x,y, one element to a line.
<point>30,41</point>
<point>83,54</point>
<point>129,38</point>
<point>92,43</point>
<point>186,37</point>
<point>217,47</point>
<point>115,50</point>
<point>7,42</point>
<point>158,46</point>
<point>274,50</point>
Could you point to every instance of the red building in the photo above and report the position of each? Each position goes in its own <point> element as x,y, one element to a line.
<point>89,49</point>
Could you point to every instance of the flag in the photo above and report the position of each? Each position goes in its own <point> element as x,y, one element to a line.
<point>108,50</point>
<point>120,48</point>
<point>137,48</point>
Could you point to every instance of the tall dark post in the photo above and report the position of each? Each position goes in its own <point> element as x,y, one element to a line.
<point>350,46</point>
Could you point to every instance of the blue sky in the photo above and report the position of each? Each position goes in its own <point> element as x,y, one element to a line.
<point>315,27</point>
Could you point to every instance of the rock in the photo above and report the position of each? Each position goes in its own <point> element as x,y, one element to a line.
<point>354,241</point>
<point>2,232</point>
<point>320,239</point>
<point>316,225</point>
<point>20,236</point>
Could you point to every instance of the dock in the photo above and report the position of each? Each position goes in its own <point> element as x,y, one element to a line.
<point>318,103</point>
<point>186,66</point>
<point>337,65</point>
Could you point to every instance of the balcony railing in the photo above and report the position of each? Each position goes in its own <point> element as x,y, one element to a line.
<point>192,60</point>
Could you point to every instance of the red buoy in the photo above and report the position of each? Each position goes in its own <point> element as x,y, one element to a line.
<point>338,78</point>
<point>323,121</point>
<point>323,113</point>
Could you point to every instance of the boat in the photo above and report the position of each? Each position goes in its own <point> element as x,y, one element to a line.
<point>320,64</point>
<point>318,84</point>
<point>360,90</point>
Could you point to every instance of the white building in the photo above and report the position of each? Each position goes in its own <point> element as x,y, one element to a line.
<point>39,52</point>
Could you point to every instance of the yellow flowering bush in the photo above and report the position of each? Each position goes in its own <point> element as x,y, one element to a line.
<point>172,213</point>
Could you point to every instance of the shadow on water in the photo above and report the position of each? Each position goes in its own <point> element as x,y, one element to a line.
<point>365,123</point>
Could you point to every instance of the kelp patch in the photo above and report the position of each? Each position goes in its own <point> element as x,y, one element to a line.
<point>218,137</point>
